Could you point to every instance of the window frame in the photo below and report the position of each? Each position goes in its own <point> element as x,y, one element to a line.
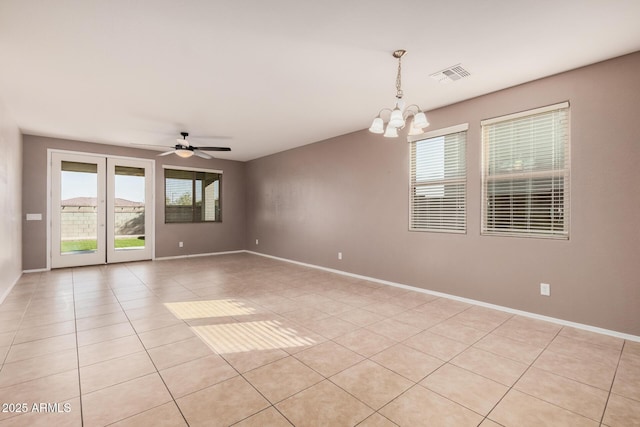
<point>551,174</point>
<point>460,180</point>
<point>194,201</point>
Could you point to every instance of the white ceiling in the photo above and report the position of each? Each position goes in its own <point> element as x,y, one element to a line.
<point>273,75</point>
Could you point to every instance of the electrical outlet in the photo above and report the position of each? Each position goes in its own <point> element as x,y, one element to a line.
<point>339,255</point>
<point>545,289</point>
<point>256,242</point>
<point>180,244</point>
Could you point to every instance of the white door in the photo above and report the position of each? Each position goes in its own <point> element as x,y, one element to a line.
<point>129,210</point>
<point>101,209</point>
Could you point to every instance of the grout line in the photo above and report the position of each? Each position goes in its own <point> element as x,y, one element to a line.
<point>612,382</point>
<point>75,324</point>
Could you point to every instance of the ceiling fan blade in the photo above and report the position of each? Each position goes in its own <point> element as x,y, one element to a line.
<point>149,145</point>
<point>203,155</point>
<point>214,148</point>
<point>167,153</point>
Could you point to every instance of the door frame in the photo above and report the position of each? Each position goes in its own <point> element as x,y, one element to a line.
<point>151,205</point>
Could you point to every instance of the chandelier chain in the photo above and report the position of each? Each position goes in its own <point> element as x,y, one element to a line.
<point>399,93</point>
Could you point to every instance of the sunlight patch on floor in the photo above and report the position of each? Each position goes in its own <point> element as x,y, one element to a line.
<point>212,308</point>
<point>248,336</point>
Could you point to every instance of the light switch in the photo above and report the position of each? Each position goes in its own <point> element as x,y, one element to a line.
<point>34,217</point>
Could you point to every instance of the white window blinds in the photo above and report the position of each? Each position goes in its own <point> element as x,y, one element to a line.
<point>526,173</point>
<point>439,181</point>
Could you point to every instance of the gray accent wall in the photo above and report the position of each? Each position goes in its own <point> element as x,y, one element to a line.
<point>349,194</point>
<point>10,199</point>
<point>200,238</point>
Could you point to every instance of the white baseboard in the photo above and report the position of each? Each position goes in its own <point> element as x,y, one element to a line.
<point>466,300</point>
<point>198,255</point>
<point>8,291</point>
<point>36,270</point>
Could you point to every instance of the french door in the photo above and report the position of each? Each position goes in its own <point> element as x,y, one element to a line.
<point>101,209</point>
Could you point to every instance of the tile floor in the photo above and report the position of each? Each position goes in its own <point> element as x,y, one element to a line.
<point>250,341</point>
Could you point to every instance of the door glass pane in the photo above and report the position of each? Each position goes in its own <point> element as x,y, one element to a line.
<point>129,208</point>
<point>78,208</point>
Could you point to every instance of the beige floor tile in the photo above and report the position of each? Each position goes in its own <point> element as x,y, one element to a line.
<point>156,322</point>
<point>529,331</point>
<point>37,367</point>
<point>420,319</point>
<point>394,329</point>
<point>500,369</point>
<point>100,321</point>
<point>83,311</point>
<point>436,345</point>
<point>408,362</point>
<point>482,318</point>
<point>592,337</point>
<point>166,415</point>
<point>509,348</point>
<point>105,333</point>
<point>621,412</point>
<point>179,352</point>
<point>384,308</point>
<point>488,423</point>
<point>324,404</point>
<point>444,306</point>
<point>377,420</point>
<point>248,360</point>
<point>627,380</point>
<point>53,388</point>
<point>47,331</point>
<point>591,373</point>
<point>222,404</point>
<point>332,327</point>
<point>64,413</point>
<point>521,410</point>
<point>360,317</point>
<point>470,390</point>
<point>106,350</point>
<point>572,395</point>
<point>196,375</point>
<point>365,342</point>
<point>371,383</point>
<point>458,331</point>
<point>41,347</point>
<point>282,378</point>
<point>167,335</point>
<point>115,371</point>
<point>328,358</point>
<point>6,338</point>
<point>130,398</point>
<point>269,417</point>
<point>422,407</point>
<point>585,350</point>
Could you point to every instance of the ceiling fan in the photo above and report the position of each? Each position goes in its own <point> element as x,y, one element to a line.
<point>186,150</point>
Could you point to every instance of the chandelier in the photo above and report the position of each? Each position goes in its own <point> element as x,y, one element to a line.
<point>400,114</point>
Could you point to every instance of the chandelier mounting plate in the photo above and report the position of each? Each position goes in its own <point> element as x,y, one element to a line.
<point>399,53</point>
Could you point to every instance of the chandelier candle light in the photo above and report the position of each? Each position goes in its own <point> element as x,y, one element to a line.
<point>400,114</point>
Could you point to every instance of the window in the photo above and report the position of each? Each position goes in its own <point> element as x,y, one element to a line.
<point>525,180</point>
<point>192,196</point>
<point>439,181</point>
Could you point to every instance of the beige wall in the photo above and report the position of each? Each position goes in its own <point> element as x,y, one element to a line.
<point>350,194</point>
<point>198,238</point>
<point>10,199</point>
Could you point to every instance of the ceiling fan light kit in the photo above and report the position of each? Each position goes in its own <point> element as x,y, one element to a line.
<point>185,150</point>
<point>399,114</point>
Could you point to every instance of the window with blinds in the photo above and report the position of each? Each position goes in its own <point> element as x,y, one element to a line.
<point>192,196</point>
<point>525,180</point>
<point>439,181</point>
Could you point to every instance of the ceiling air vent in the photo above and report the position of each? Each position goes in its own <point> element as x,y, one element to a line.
<point>450,74</point>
